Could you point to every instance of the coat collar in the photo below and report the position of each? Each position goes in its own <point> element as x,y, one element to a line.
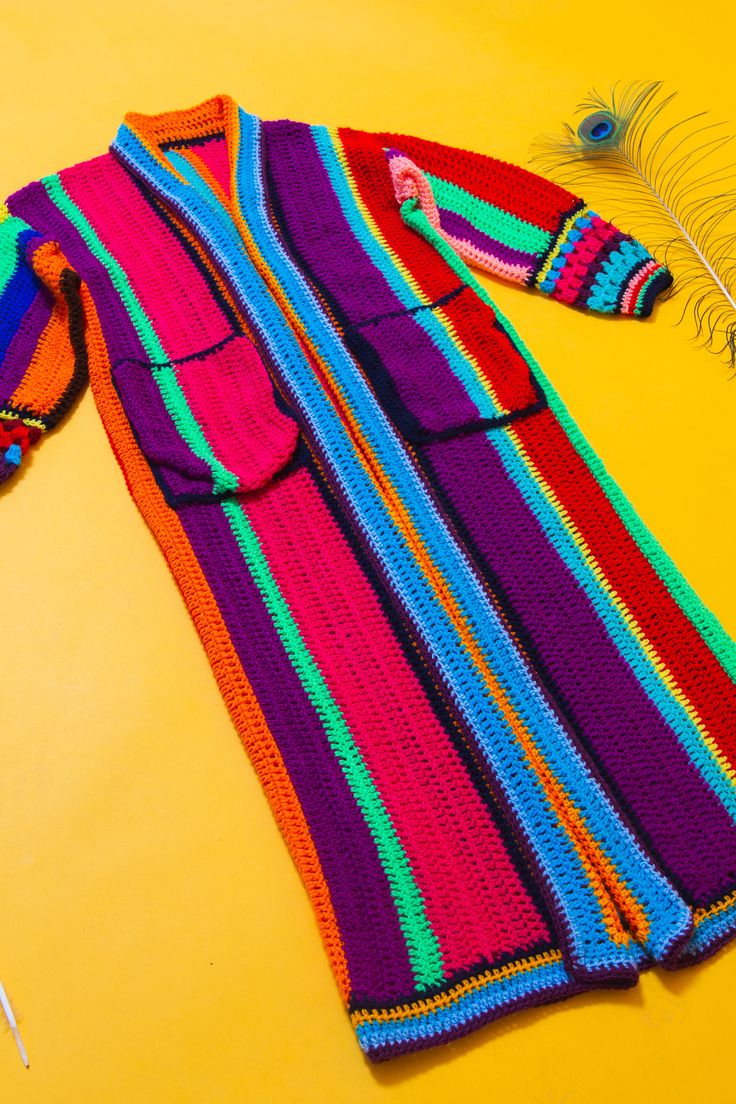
<point>157,147</point>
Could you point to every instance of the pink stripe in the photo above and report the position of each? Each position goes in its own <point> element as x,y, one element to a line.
<point>161,272</point>
<point>480,259</point>
<point>475,902</point>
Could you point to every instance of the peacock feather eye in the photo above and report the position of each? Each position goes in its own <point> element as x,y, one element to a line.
<point>597,128</point>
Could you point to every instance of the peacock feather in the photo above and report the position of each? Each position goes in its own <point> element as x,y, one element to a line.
<point>670,182</point>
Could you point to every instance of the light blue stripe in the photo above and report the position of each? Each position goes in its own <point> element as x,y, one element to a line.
<point>577,900</point>
<point>493,997</point>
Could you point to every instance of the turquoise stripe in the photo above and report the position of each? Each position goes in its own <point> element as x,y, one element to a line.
<point>578,904</point>
<point>493,221</point>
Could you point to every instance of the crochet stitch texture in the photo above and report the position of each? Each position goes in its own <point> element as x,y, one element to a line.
<point>493,721</point>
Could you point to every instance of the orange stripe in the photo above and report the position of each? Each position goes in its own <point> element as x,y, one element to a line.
<point>234,686</point>
<point>51,367</point>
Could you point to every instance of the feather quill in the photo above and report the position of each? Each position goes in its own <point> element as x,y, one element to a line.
<point>670,182</point>
<point>13,1025</point>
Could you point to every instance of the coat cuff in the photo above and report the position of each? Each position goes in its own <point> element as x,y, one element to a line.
<point>16,437</point>
<point>591,264</point>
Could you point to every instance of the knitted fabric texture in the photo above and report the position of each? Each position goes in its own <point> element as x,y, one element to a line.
<point>493,721</point>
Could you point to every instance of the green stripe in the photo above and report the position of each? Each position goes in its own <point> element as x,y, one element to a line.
<point>422,945</point>
<point>490,220</point>
<point>166,380</point>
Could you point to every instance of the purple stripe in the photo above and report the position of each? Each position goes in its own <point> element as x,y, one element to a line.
<point>459,227</point>
<point>24,342</point>
<point>361,896</point>
<point>177,467</point>
<point>686,825</point>
<point>315,223</point>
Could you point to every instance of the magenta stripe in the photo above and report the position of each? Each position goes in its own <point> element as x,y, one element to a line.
<point>475,902</point>
<point>376,953</point>
<point>161,272</point>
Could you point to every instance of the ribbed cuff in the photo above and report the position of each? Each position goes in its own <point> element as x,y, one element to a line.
<point>592,265</point>
<point>16,437</point>
<point>652,286</point>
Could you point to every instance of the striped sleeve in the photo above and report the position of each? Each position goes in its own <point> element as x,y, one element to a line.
<point>522,227</point>
<point>43,363</point>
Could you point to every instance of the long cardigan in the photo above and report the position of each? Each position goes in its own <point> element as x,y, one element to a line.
<point>493,721</point>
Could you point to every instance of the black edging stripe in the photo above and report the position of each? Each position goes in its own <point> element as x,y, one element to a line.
<point>446,298</point>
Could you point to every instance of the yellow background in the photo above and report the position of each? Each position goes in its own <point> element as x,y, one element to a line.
<point>154,936</point>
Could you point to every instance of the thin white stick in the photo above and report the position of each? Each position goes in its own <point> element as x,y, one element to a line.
<point>5,1004</point>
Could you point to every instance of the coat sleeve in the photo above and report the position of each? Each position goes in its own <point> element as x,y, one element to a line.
<point>43,362</point>
<point>522,227</point>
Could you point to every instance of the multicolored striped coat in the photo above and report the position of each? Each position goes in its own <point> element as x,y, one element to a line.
<point>494,723</point>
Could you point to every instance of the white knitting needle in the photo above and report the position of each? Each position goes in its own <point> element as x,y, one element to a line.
<point>5,1004</point>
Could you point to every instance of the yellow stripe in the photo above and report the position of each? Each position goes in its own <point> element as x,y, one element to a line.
<point>451,996</point>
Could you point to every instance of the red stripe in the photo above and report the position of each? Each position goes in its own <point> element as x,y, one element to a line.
<point>677,641</point>
<point>525,194</point>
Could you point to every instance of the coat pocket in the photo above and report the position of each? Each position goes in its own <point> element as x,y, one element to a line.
<point>446,368</point>
<point>209,424</point>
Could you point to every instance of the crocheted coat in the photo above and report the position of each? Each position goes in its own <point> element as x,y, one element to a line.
<point>494,723</point>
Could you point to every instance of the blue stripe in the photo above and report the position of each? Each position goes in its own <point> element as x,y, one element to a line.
<point>18,294</point>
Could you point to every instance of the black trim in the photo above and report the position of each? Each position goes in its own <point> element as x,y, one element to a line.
<point>660,283</point>
<point>449,295</point>
<point>200,355</point>
<point>199,140</point>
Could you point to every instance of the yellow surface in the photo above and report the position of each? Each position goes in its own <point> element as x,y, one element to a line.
<point>154,936</point>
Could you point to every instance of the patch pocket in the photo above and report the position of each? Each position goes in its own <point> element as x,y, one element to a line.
<point>447,368</point>
<point>208,424</point>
